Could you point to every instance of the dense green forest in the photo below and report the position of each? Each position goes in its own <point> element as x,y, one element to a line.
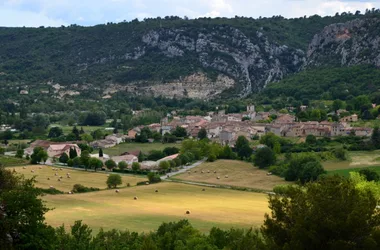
<point>327,84</point>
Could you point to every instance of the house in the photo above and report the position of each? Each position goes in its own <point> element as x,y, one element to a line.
<point>226,136</point>
<point>116,138</point>
<point>251,108</point>
<point>24,92</point>
<point>132,134</point>
<point>286,118</point>
<point>351,118</point>
<point>168,158</point>
<point>103,144</point>
<point>129,159</point>
<point>57,150</point>
<point>358,131</point>
<point>155,127</point>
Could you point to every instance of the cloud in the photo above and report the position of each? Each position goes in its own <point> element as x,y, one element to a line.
<point>91,12</point>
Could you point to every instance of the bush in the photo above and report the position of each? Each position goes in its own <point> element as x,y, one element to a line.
<point>50,191</point>
<point>70,163</point>
<point>79,188</point>
<point>164,165</point>
<point>264,157</point>
<point>340,154</point>
<point>369,174</point>
<point>122,165</point>
<point>211,158</point>
<point>154,178</point>
<point>281,189</point>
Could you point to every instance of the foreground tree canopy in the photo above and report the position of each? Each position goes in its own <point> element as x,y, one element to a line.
<point>332,213</point>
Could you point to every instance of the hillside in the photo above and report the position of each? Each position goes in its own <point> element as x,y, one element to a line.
<point>202,58</point>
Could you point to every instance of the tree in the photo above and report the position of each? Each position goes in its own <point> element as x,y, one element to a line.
<point>122,165</point>
<point>77,161</point>
<point>100,152</point>
<point>75,131</point>
<point>170,151</point>
<point>375,138</point>
<point>86,137</point>
<point>264,157</point>
<point>329,214</point>
<point>369,174</point>
<point>23,226</point>
<point>135,166</point>
<point>38,155</point>
<point>70,162</point>
<point>95,163</point>
<point>311,171</point>
<point>85,158</point>
<point>155,155</point>
<point>113,180</point>
<point>110,164</point>
<point>141,157</point>
<point>311,139</point>
<point>179,132</point>
<point>73,153</point>
<point>20,153</point>
<point>64,158</point>
<point>242,147</point>
<point>55,132</point>
<point>202,134</point>
<point>164,165</point>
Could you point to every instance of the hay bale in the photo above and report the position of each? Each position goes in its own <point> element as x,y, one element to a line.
<point>117,191</point>
<point>68,177</point>
<point>218,177</point>
<point>214,171</point>
<point>61,169</point>
<point>187,211</point>
<point>59,179</point>
<point>147,183</point>
<point>108,175</point>
<point>208,171</point>
<point>40,167</point>
<point>55,174</point>
<point>202,172</point>
<point>135,198</point>
<point>226,176</point>
<point>156,191</point>
<point>23,167</point>
<point>51,187</point>
<point>203,189</point>
<point>70,192</point>
<point>48,179</point>
<point>32,171</point>
<point>195,171</point>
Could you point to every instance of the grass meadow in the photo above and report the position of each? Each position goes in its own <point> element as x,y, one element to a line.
<point>240,174</point>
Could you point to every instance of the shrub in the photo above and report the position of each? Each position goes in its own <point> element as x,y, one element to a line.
<point>154,178</point>
<point>264,157</point>
<point>369,174</point>
<point>50,191</point>
<point>136,166</point>
<point>70,163</point>
<point>281,189</point>
<point>164,165</point>
<point>122,165</point>
<point>79,188</point>
<point>211,158</point>
<point>340,154</point>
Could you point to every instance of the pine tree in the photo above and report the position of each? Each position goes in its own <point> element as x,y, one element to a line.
<point>100,152</point>
<point>76,132</point>
<point>375,138</point>
<point>73,153</point>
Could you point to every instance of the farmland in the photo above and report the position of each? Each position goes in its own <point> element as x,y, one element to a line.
<point>241,174</point>
<point>88,179</point>
<point>144,147</point>
<point>108,209</point>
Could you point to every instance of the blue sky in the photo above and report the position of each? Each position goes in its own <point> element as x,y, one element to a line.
<point>35,13</point>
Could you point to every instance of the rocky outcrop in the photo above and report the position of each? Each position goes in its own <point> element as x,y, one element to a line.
<point>197,85</point>
<point>252,62</point>
<point>346,44</point>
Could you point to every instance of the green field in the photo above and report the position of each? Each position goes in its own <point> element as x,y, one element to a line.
<point>240,174</point>
<point>357,159</point>
<point>9,161</point>
<point>346,172</point>
<point>144,147</point>
<point>88,129</point>
<point>88,179</point>
<point>108,209</point>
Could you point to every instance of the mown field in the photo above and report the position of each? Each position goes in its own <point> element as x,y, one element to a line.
<point>88,179</point>
<point>144,147</point>
<point>241,174</point>
<point>108,209</point>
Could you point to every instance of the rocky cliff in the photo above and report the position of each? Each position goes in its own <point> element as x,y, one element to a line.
<point>346,44</point>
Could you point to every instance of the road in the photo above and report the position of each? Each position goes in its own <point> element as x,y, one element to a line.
<point>182,170</point>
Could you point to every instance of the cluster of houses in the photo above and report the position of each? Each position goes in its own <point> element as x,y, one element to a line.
<point>226,128</point>
<point>57,149</point>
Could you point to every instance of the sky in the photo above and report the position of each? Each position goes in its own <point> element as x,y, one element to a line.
<point>34,13</point>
